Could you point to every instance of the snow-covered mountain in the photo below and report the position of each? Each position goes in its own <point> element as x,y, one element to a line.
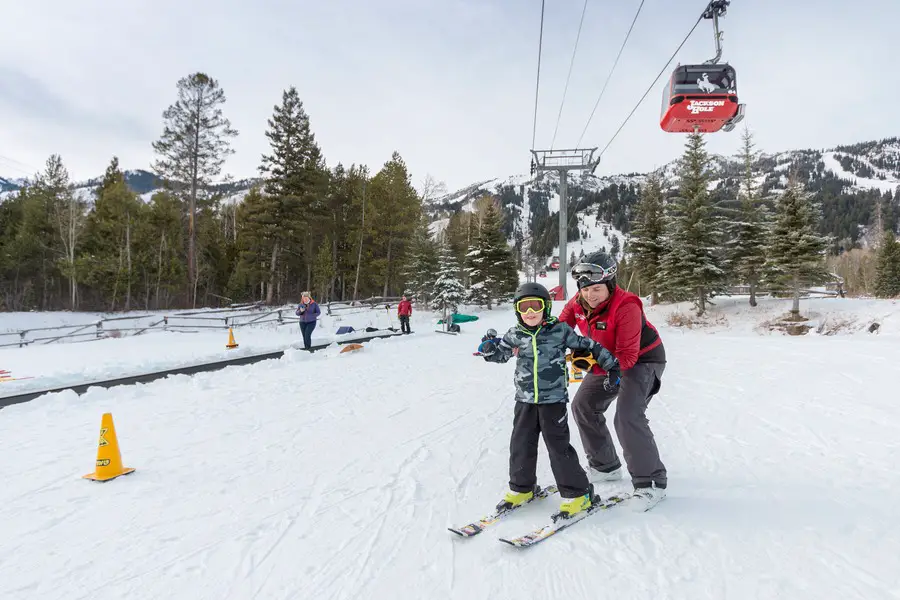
<point>847,175</point>
<point>143,183</point>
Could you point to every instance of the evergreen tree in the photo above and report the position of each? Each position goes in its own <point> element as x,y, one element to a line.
<point>422,265</point>
<point>397,208</point>
<point>295,187</point>
<point>165,250</point>
<point>491,268</point>
<point>746,247</point>
<point>691,265</point>
<point>887,271</point>
<point>449,291</point>
<point>614,247</point>
<point>257,227</point>
<point>68,213</point>
<point>796,251</point>
<point>110,253</point>
<point>193,146</point>
<point>647,231</point>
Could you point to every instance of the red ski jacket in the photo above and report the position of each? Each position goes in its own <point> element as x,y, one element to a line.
<point>404,309</point>
<point>620,326</point>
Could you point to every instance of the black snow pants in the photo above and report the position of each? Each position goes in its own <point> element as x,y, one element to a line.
<point>404,323</point>
<point>530,421</point>
<point>637,387</point>
<point>306,330</point>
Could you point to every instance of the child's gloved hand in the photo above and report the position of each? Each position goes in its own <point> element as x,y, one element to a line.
<point>488,346</point>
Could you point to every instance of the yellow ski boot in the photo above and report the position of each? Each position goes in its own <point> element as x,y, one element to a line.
<point>514,499</point>
<point>572,506</point>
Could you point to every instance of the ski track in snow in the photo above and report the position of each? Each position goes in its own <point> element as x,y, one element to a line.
<point>333,476</point>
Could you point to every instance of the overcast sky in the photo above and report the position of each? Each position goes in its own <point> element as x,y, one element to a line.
<point>447,83</point>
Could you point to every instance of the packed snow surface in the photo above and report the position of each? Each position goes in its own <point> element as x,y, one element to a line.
<point>333,476</point>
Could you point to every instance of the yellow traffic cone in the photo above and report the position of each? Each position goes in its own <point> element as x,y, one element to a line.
<point>109,459</point>
<point>231,343</point>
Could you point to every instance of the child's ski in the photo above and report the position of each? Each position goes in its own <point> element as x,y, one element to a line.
<point>480,525</point>
<point>541,534</point>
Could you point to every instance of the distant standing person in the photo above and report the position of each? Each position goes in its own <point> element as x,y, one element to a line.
<point>404,312</point>
<point>308,311</point>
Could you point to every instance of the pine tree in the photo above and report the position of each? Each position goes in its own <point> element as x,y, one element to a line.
<point>110,253</point>
<point>397,208</point>
<point>746,247</point>
<point>614,247</point>
<point>691,265</point>
<point>887,271</point>
<point>295,182</point>
<point>69,214</point>
<point>648,229</point>
<point>796,251</point>
<point>193,146</point>
<point>449,291</point>
<point>491,268</point>
<point>422,264</point>
<point>165,249</point>
<point>256,230</point>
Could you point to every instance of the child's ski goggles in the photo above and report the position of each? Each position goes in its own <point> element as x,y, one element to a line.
<point>526,305</point>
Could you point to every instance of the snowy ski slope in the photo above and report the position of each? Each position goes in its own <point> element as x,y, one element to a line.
<point>330,476</point>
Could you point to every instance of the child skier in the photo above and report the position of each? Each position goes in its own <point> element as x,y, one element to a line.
<point>539,341</point>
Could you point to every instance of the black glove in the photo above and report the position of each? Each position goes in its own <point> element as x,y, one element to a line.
<point>488,346</point>
<point>613,378</point>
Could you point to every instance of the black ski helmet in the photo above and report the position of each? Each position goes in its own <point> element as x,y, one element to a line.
<point>533,290</point>
<point>596,267</point>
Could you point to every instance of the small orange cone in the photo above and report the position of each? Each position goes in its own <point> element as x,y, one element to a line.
<point>109,459</point>
<point>231,343</point>
<point>351,348</point>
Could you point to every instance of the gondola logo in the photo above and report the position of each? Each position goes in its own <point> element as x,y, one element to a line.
<point>703,106</point>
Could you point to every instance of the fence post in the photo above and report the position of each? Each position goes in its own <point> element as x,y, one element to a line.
<point>22,341</point>
<point>99,329</point>
<point>280,318</point>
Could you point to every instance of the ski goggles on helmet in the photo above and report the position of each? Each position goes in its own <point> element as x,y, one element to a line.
<point>526,305</point>
<point>586,274</point>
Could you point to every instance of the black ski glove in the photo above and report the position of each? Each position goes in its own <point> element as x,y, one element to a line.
<point>489,343</point>
<point>487,347</point>
<point>613,378</point>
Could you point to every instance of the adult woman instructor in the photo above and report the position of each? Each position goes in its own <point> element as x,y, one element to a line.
<point>606,313</point>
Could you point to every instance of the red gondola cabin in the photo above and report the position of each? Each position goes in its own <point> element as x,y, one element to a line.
<point>702,96</point>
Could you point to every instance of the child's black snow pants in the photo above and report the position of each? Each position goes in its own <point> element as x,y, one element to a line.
<point>551,420</point>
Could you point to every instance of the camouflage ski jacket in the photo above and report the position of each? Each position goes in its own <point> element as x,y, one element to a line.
<point>540,375</point>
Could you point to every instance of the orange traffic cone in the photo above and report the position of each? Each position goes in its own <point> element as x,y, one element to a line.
<point>109,459</point>
<point>351,348</point>
<point>231,343</point>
